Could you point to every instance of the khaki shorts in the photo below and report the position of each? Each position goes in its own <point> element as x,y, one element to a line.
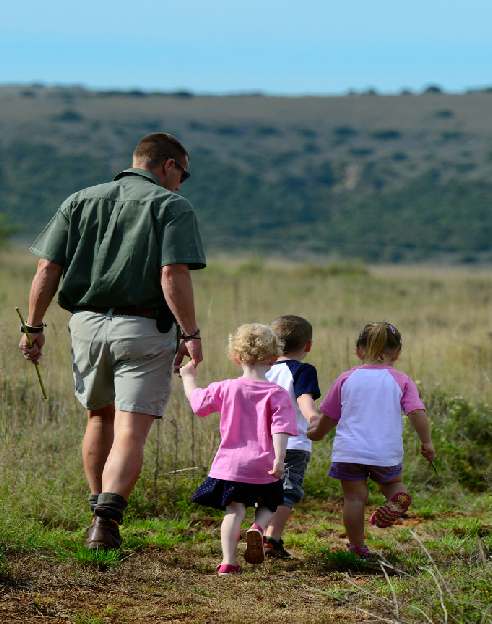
<point>123,360</point>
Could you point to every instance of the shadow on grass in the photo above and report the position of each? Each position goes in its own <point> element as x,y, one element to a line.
<point>342,561</point>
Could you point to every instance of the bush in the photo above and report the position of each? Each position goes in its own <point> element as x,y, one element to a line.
<point>386,135</point>
<point>444,114</point>
<point>68,116</point>
<point>345,132</point>
<point>267,131</point>
<point>433,89</point>
<point>462,435</point>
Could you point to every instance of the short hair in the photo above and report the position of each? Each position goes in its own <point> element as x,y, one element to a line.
<point>379,338</point>
<point>293,332</point>
<point>155,148</point>
<point>254,343</point>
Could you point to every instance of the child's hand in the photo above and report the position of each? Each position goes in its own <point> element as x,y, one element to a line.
<point>188,370</point>
<point>319,426</point>
<point>427,450</point>
<point>278,469</point>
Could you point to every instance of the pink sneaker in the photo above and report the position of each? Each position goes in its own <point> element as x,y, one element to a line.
<point>362,551</point>
<point>255,552</point>
<point>223,569</point>
<point>394,508</point>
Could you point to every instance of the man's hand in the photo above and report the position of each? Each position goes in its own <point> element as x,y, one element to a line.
<point>278,469</point>
<point>178,293</point>
<point>191,349</point>
<point>427,450</point>
<point>43,288</point>
<point>32,353</point>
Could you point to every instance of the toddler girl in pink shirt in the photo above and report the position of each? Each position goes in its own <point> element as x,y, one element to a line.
<point>256,418</point>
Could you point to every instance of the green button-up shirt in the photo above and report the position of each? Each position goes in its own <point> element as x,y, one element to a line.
<point>113,238</point>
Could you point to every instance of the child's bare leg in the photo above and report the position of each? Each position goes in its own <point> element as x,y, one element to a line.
<point>230,530</point>
<point>392,488</point>
<point>278,522</point>
<point>354,501</point>
<point>263,516</point>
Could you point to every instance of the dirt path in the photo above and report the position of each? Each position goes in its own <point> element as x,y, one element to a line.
<point>171,586</point>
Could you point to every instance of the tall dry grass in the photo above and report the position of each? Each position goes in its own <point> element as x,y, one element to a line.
<point>442,313</point>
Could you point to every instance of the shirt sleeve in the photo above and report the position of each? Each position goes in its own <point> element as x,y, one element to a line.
<point>205,401</point>
<point>331,405</point>
<point>283,414</point>
<point>51,243</point>
<point>306,381</point>
<point>410,398</point>
<point>181,241</point>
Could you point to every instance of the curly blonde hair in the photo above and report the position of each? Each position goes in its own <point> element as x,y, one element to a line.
<point>254,343</point>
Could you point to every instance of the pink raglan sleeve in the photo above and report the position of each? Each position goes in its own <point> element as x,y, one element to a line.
<point>283,414</point>
<point>331,405</point>
<point>410,398</point>
<point>205,401</point>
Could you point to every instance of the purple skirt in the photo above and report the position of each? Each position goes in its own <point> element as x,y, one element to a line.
<point>219,493</point>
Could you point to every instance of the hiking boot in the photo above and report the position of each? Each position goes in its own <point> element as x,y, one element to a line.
<point>89,528</point>
<point>275,548</point>
<point>103,534</point>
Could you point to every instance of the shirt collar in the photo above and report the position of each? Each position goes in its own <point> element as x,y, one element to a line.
<point>143,173</point>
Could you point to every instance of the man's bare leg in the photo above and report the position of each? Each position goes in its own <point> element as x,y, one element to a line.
<point>96,445</point>
<point>124,461</point>
<point>120,473</point>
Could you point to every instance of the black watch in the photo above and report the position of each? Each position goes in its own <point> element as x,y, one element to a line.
<point>32,329</point>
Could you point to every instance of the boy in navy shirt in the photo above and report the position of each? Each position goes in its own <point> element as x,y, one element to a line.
<point>301,382</point>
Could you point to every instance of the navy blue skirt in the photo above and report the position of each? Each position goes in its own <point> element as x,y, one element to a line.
<point>219,493</point>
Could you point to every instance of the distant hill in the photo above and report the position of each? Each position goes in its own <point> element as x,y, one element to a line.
<point>382,178</point>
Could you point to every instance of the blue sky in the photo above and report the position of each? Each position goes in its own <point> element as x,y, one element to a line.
<point>309,46</point>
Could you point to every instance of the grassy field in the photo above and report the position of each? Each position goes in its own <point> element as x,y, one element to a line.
<point>437,566</point>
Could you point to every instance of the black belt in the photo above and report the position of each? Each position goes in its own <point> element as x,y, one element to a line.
<point>152,313</point>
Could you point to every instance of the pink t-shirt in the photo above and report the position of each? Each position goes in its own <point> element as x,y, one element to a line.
<point>367,403</point>
<point>250,412</point>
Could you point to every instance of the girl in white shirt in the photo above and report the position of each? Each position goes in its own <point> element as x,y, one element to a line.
<point>365,405</point>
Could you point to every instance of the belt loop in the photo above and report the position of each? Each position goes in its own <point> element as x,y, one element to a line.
<point>109,313</point>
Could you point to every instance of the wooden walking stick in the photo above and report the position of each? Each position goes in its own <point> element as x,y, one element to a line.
<point>29,342</point>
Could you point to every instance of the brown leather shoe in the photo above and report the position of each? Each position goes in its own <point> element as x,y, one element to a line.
<point>104,534</point>
<point>89,528</point>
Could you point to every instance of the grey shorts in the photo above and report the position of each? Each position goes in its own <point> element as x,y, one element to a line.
<point>123,360</point>
<point>296,462</point>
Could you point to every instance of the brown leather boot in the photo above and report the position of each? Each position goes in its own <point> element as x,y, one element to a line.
<point>104,534</point>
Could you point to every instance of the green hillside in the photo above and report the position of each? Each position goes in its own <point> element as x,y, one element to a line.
<point>382,178</point>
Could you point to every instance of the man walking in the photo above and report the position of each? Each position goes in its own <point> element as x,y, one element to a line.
<point>123,253</point>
